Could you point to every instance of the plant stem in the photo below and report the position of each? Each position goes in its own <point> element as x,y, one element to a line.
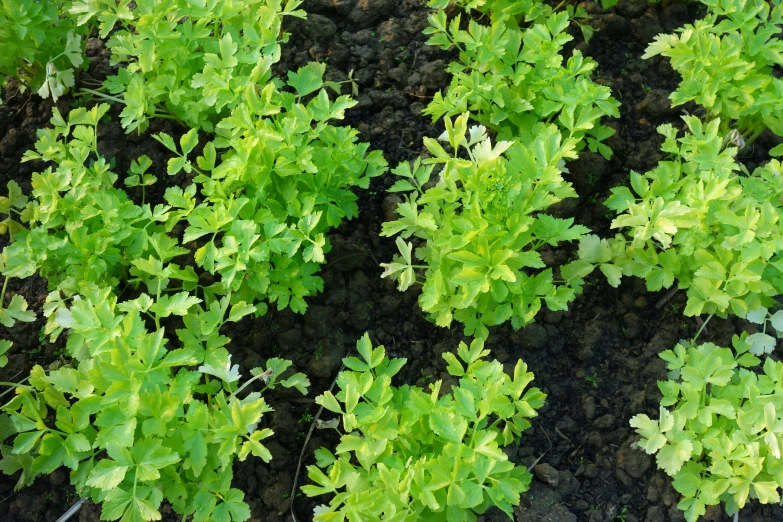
<point>2,294</point>
<point>14,384</point>
<point>102,95</point>
<point>247,383</point>
<point>703,325</point>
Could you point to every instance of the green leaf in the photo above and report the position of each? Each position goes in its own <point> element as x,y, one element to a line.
<point>188,141</point>
<point>307,79</point>
<point>671,457</point>
<point>761,343</point>
<point>758,316</point>
<point>177,304</point>
<point>298,381</point>
<point>24,442</point>
<point>776,320</point>
<point>150,457</point>
<point>5,345</point>
<point>233,507</point>
<point>220,366</point>
<point>16,311</point>
<point>653,432</point>
<point>448,425</point>
<point>328,401</point>
<point>613,274</point>
<point>240,310</point>
<point>692,508</point>
<point>167,141</point>
<point>107,475</point>
<point>767,492</point>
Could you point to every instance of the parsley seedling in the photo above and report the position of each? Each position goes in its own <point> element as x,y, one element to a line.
<point>483,223</point>
<point>726,61</point>
<point>693,219</point>
<point>414,454</point>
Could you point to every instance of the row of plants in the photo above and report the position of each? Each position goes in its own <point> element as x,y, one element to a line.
<point>268,176</point>
<point>702,220</point>
<point>477,223</point>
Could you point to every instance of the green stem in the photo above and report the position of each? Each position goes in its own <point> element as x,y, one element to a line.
<point>249,381</point>
<point>157,298</point>
<point>165,116</point>
<point>754,136</point>
<point>2,294</point>
<point>703,325</point>
<point>14,385</point>
<point>102,95</point>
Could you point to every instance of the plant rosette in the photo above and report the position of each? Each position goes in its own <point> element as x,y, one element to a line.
<point>693,219</point>
<point>408,454</point>
<point>721,440</point>
<point>137,422</point>
<point>480,226</point>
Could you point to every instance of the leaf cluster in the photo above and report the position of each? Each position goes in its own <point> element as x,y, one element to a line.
<point>184,59</point>
<point>519,12</point>
<point>482,224</point>
<point>42,46</point>
<point>727,60</point>
<point>695,220</point>
<point>510,79</point>
<point>134,421</point>
<point>281,182</point>
<point>76,226</point>
<point>722,439</point>
<point>409,454</point>
<point>260,225</point>
<point>257,226</point>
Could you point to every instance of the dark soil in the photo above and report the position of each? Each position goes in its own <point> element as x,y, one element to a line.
<point>597,362</point>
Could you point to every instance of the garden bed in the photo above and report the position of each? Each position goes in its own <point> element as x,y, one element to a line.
<point>598,362</point>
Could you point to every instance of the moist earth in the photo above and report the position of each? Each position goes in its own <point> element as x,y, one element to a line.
<point>597,362</point>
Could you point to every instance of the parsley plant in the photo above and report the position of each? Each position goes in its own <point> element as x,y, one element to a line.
<point>482,224</point>
<point>190,60</point>
<point>726,61</point>
<point>42,46</point>
<point>510,79</point>
<point>409,454</point>
<point>722,440</point>
<point>132,422</point>
<point>693,219</point>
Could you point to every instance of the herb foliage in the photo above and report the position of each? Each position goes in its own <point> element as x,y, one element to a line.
<point>511,78</point>
<point>482,223</point>
<point>726,60</point>
<point>42,46</point>
<point>721,440</point>
<point>131,421</point>
<point>187,60</point>
<point>409,454</point>
<point>695,220</point>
